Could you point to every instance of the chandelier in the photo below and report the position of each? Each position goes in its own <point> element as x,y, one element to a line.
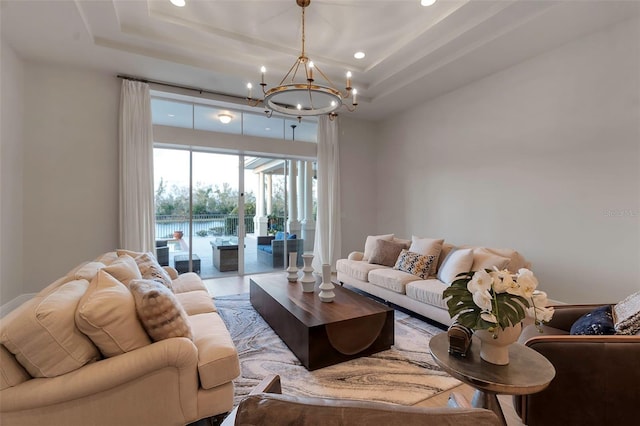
<point>303,95</point>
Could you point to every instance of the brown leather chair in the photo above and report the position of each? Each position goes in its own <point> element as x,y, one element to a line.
<point>597,377</point>
<point>266,406</point>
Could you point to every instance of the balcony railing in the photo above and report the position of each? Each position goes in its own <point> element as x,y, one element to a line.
<point>203,225</point>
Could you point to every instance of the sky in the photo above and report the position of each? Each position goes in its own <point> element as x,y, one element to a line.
<point>172,165</point>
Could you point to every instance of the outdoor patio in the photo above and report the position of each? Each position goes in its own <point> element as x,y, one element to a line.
<point>202,248</point>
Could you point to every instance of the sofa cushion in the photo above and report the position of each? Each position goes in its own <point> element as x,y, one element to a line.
<point>43,336</point>
<point>370,244</point>
<point>124,269</point>
<point>386,252</point>
<point>189,281</point>
<point>161,314</point>
<point>358,269</point>
<point>107,314</point>
<point>391,279</point>
<point>218,361</point>
<point>485,259</point>
<point>196,302</point>
<point>11,372</point>
<point>427,291</point>
<point>457,261</point>
<point>150,269</point>
<point>414,263</point>
<point>427,247</point>
<point>107,258</point>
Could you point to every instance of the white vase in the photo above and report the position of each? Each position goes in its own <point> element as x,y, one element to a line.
<point>308,281</point>
<point>494,345</point>
<point>326,288</point>
<point>292,270</point>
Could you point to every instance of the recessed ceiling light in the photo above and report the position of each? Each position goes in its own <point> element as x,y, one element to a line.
<point>427,2</point>
<point>171,115</point>
<point>224,118</point>
<point>178,3</point>
<point>358,55</point>
<point>267,128</point>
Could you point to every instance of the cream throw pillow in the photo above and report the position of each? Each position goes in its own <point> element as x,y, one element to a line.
<point>161,314</point>
<point>484,259</point>
<point>457,262</point>
<point>107,314</point>
<point>427,247</point>
<point>124,269</point>
<point>370,244</point>
<point>43,336</point>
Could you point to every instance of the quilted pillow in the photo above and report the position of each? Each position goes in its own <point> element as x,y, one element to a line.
<point>414,263</point>
<point>43,336</point>
<point>161,314</point>
<point>151,270</point>
<point>597,322</point>
<point>386,252</point>
<point>107,314</point>
<point>627,315</point>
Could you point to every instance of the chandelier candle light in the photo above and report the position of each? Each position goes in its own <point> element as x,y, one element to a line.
<point>304,97</point>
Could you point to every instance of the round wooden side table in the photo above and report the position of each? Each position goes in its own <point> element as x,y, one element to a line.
<point>527,372</point>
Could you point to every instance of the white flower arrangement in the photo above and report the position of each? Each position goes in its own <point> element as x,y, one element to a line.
<point>487,300</point>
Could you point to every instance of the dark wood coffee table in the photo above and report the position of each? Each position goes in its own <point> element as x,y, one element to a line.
<point>322,334</point>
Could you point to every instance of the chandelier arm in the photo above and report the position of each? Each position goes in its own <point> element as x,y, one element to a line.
<point>345,96</point>
<point>349,108</point>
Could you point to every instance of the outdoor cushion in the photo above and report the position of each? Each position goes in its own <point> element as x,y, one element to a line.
<point>266,248</point>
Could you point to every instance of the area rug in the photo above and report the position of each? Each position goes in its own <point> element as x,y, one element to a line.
<point>405,374</point>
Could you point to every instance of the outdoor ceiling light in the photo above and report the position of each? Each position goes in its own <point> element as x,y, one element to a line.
<point>305,97</point>
<point>225,118</point>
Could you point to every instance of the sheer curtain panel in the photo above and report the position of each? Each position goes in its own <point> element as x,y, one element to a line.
<point>328,242</point>
<point>137,211</point>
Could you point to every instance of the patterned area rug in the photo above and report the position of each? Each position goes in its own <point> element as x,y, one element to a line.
<point>405,374</point>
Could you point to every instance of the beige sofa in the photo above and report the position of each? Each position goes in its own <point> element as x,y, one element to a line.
<point>420,295</point>
<point>53,373</point>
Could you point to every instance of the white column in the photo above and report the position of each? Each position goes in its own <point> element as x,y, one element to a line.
<point>269,195</point>
<point>308,224</point>
<point>293,223</point>
<point>260,220</point>
<point>300,186</point>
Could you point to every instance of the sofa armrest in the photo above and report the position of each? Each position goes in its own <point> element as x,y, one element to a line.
<point>265,240</point>
<point>178,354</point>
<point>565,315</point>
<point>356,255</point>
<point>596,381</point>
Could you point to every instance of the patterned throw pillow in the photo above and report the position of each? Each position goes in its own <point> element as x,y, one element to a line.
<point>414,263</point>
<point>161,314</point>
<point>626,315</point>
<point>597,322</point>
<point>151,270</point>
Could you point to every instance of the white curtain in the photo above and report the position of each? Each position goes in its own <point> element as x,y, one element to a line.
<point>137,211</point>
<point>328,243</point>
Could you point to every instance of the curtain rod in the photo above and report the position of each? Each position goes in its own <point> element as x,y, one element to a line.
<point>177,86</point>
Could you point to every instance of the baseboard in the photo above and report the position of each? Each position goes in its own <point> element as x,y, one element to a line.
<point>12,304</point>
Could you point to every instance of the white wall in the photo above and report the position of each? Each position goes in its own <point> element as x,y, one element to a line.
<point>357,140</point>
<point>70,170</point>
<point>537,157</point>
<point>11,181</point>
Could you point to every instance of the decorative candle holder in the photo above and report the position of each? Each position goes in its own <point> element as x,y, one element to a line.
<point>292,270</point>
<point>326,288</point>
<point>308,281</point>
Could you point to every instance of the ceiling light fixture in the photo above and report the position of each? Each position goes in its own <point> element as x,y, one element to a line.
<point>225,118</point>
<point>178,3</point>
<point>427,2</point>
<point>305,97</point>
<point>358,55</point>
